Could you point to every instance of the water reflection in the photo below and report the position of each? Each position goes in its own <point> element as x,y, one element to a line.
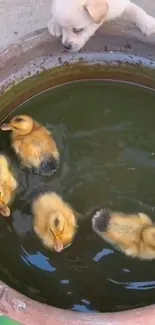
<point>83,308</point>
<point>102,254</point>
<point>141,285</point>
<point>38,260</point>
<point>145,285</point>
<point>64,281</point>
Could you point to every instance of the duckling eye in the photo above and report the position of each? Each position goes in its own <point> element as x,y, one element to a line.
<point>18,119</point>
<point>56,222</point>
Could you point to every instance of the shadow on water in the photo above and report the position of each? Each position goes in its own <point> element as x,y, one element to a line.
<point>106,136</point>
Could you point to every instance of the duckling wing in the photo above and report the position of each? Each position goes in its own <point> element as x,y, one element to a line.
<point>4,169</point>
<point>44,163</point>
<point>39,152</point>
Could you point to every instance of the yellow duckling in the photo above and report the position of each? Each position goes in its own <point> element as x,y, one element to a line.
<point>33,144</point>
<point>54,221</point>
<point>133,234</point>
<point>8,184</point>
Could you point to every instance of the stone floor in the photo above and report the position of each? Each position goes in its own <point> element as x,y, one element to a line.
<point>21,17</point>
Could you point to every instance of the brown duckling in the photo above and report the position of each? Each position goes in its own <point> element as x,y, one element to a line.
<point>8,184</point>
<point>133,234</point>
<point>55,222</point>
<point>33,144</point>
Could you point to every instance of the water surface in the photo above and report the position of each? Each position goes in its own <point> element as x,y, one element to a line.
<point>106,135</point>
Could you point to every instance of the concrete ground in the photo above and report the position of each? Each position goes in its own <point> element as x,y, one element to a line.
<point>21,17</point>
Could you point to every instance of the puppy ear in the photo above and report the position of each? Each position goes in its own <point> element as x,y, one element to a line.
<point>97,9</point>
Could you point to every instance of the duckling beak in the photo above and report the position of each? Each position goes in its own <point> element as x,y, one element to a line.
<point>4,210</point>
<point>58,246</point>
<point>6,127</point>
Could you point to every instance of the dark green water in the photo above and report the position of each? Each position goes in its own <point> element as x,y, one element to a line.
<point>106,135</point>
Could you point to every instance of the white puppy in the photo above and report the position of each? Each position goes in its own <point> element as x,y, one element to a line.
<point>77,20</point>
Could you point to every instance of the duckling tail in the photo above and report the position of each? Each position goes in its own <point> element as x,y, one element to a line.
<point>4,209</point>
<point>100,220</point>
<point>47,167</point>
<point>148,236</point>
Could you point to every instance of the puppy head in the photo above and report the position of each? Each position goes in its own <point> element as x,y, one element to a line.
<point>79,19</point>
<point>97,9</point>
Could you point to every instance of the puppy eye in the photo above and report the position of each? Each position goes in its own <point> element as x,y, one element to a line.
<point>77,30</point>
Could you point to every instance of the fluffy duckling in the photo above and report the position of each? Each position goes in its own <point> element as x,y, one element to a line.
<point>54,221</point>
<point>133,234</point>
<point>8,184</point>
<point>33,144</point>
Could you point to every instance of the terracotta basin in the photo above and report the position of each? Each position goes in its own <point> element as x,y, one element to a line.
<point>112,53</point>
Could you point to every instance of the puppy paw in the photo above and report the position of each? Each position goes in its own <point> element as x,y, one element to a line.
<point>148,26</point>
<point>54,28</point>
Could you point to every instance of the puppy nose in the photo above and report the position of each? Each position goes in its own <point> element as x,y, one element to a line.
<point>67,46</point>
